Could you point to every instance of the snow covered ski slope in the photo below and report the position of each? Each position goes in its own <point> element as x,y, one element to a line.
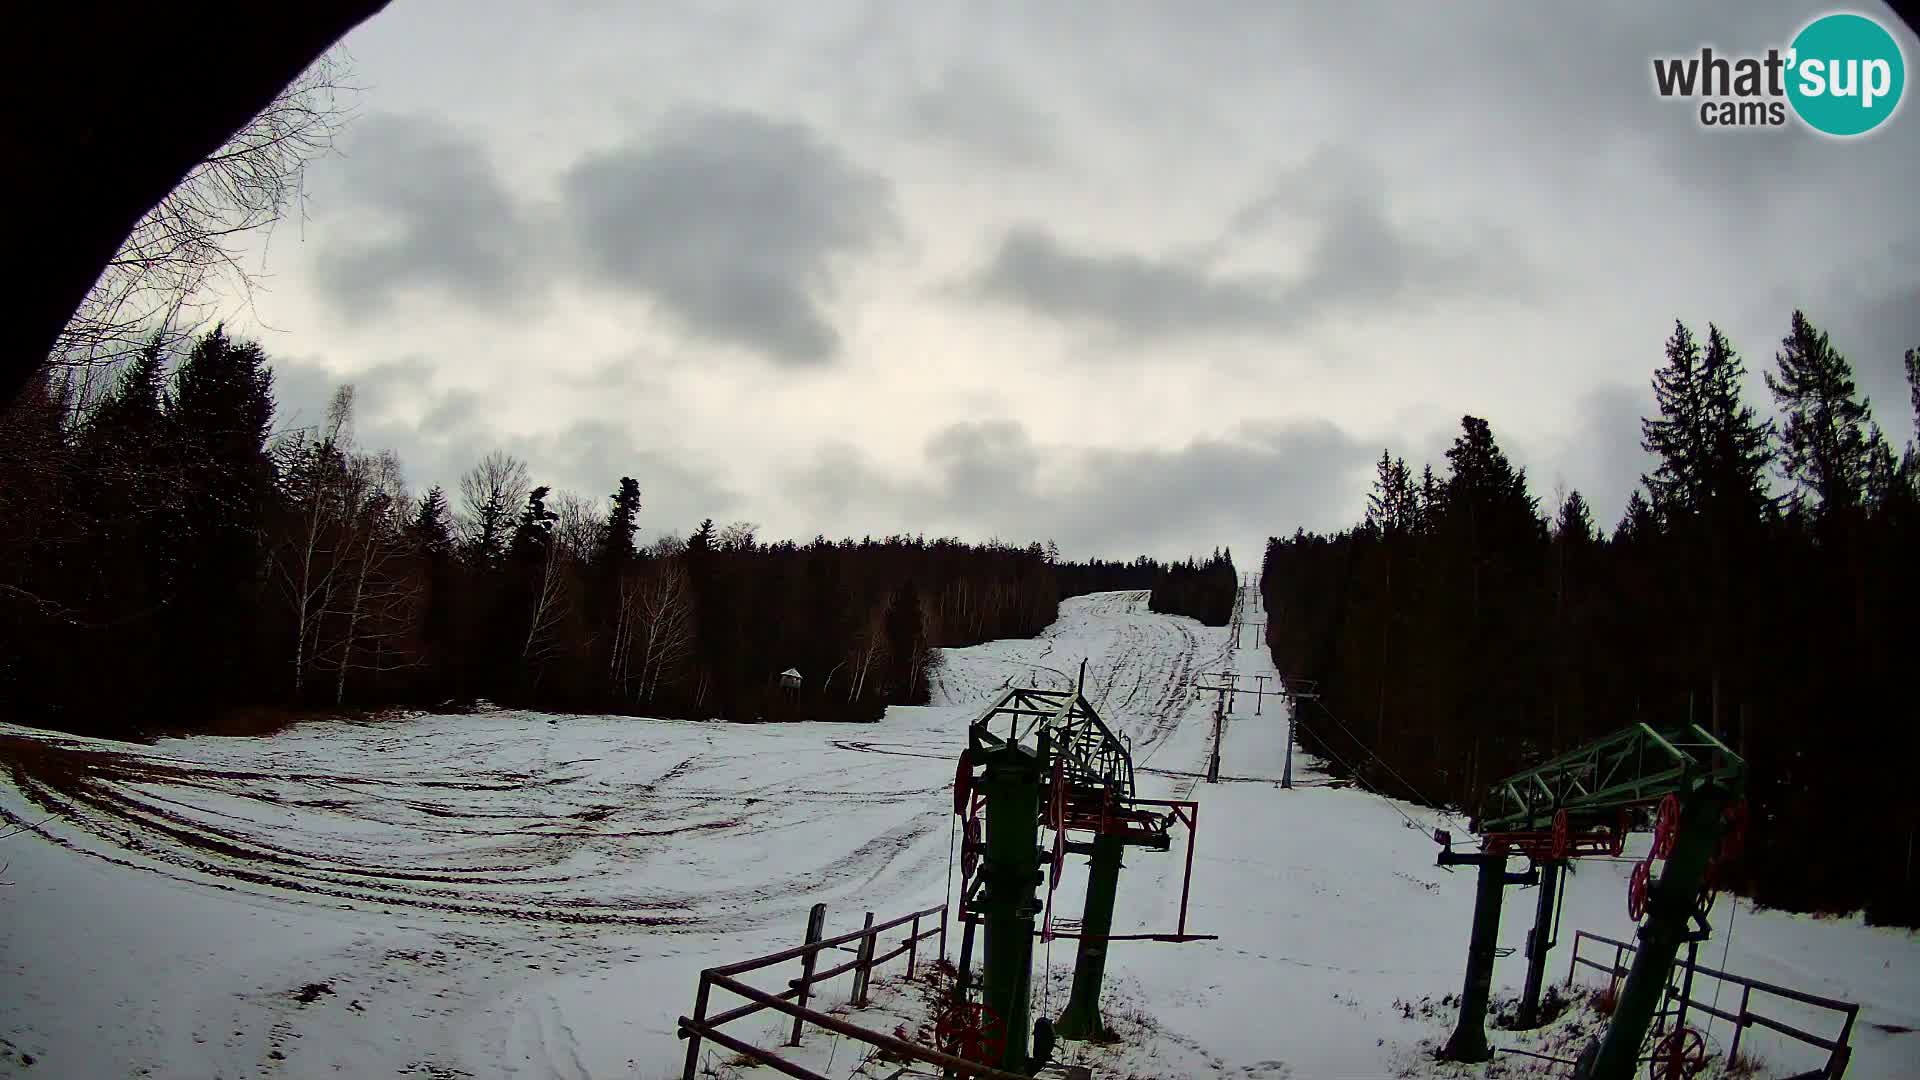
<point>519,894</point>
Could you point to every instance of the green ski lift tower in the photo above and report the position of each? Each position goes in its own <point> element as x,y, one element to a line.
<point>1582,804</point>
<point>1043,759</point>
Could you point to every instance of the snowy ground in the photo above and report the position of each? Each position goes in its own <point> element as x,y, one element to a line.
<point>515,894</point>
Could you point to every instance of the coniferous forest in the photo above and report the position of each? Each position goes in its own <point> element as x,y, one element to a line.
<point>1203,590</point>
<point>167,558</point>
<point>1763,582</point>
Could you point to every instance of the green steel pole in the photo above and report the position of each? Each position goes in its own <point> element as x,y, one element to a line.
<point>1538,943</point>
<point>1469,1041</point>
<point>1081,1020</point>
<point>1670,905</point>
<point>1007,903</point>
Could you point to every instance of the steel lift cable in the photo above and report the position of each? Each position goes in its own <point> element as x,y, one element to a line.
<point>1363,746</point>
<point>1364,786</point>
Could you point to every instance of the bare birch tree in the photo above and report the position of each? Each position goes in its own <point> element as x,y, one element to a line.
<point>578,525</point>
<point>377,601</point>
<point>190,242</point>
<point>550,600</point>
<point>739,536</point>
<point>666,622</point>
<point>869,648</point>
<point>491,494</point>
<point>314,482</point>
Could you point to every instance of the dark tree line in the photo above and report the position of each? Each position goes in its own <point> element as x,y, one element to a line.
<point>1098,575</point>
<point>1203,590</point>
<point>1762,582</point>
<point>165,555</point>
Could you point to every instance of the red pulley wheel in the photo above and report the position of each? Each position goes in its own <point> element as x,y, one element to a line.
<point>1618,843</point>
<point>1666,827</point>
<point>1681,1054</point>
<point>1637,889</point>
<point>963,782</point>
<point>1561,834</point>
<point>972,1031</point>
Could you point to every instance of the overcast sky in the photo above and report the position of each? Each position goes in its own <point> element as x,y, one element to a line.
<point>1137,277</point>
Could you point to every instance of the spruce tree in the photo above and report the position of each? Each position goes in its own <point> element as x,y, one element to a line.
<point>1638,523</point>
<point>1678,437</point>
<point>1828,436</point>
<point>219,420</point>
<point>1737,444</point>
<point>1910,465</point>
<point>1574,522</point>
<point>622,521</point>
<point>535,529</point>
<point>432,525</point>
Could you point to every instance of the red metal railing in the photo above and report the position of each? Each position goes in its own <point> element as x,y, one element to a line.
<point>1838,1051</point>
<point>701,1026</point>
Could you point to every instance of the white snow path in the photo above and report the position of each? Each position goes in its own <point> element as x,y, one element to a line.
<point>517,894</point>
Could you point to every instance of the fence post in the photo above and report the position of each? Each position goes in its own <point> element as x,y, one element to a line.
<point>1740,1025</point>
<point>943,933</point>
<point>1686,984</point>
<point>1574,960</point>
<point>816,926</point>
<point>913,946</point>
<point>863,966</point>
<point>1844,1052</point>
<point>693,1037</point>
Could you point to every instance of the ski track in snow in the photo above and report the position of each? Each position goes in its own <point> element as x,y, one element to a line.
<point>531,895</point>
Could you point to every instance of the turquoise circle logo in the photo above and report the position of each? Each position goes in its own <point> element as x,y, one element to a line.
<point>1846,74</point>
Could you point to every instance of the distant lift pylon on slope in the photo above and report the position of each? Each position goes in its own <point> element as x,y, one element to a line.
<point>1582,804</point>
<point>1044,758</point>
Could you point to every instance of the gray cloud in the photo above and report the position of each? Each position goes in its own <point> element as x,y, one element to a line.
<point>453,431</point>
<point>1483,130</point>
<point>416,204</point>
<point>1599,455</point>
<point>1121,292</point>
<point>1873,315</point>
<point>733,223</point>
<point>979,109</point>
<point>302,390</point>
<point>991,478</point>
<point>1360,259</point>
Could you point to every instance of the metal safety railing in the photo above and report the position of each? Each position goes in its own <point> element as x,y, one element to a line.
<point>1743,1017</point>
<point>792,1001</point>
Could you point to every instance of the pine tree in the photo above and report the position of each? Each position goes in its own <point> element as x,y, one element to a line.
<point>1574,522</point>
<point>1910,465</point>
<point>701,542</point>
<point>535,529</point>
<point>1392,506</point>
<point>1678,437</point>
<point>1427,499</point>
<point>1638,523</point>
<point>219,419</point>
<point>133,414</point>
<point>124,460</point>
<point>1486,486</point>
<point>432,526</point>
<point>1828,437</point>
<point>1738,445</point>
<point>617,538</point>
